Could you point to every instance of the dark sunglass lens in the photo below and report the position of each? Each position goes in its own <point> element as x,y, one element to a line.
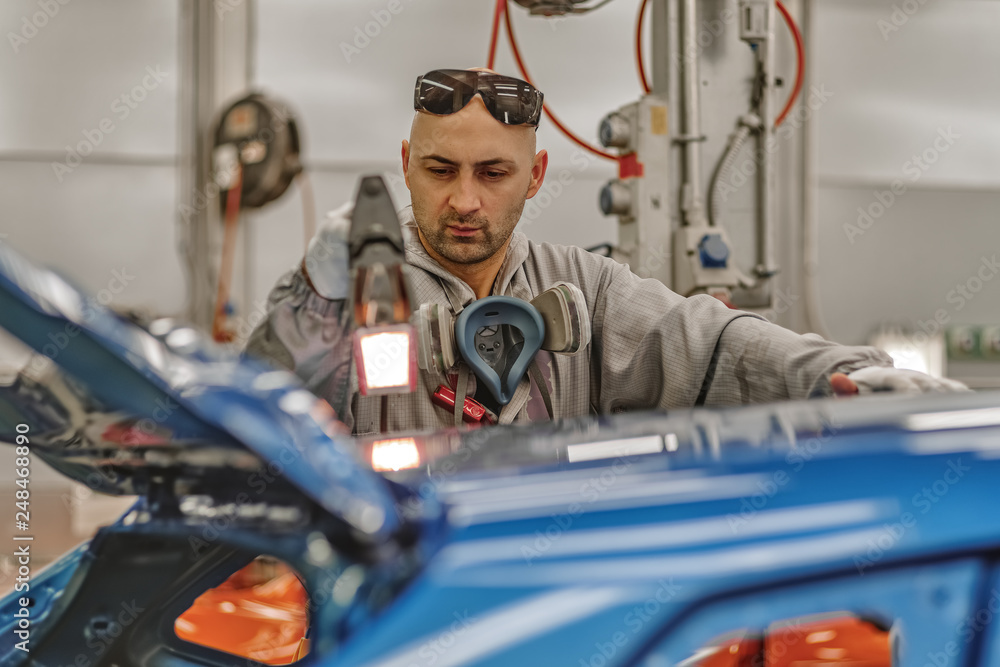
<point>443,93</point>
<point>515,102</point>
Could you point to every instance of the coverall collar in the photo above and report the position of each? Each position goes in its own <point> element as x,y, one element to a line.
<point>517,253</point>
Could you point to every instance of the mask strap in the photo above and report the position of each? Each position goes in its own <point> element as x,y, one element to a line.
<point>461,387</point>
<point>536,376</point>
<point>517,402</point>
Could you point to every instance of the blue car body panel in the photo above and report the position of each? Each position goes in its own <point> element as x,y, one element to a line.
<point>637,569</point>
<point>505,551</point>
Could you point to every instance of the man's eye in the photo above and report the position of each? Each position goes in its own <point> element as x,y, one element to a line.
<point>439,171</point>
<point>494,175</point>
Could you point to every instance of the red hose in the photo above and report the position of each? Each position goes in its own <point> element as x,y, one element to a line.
<point>638,48</point>
<point>219,331</point>
<point>800,59</point>
<point>501,8</point>
<point>555,121</point>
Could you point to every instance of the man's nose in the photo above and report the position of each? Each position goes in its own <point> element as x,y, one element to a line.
<point>465,195</point>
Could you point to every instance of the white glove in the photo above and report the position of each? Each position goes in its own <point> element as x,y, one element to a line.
<point>326,261</point>
<point>877,378</point>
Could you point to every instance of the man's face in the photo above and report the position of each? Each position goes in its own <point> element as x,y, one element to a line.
<point>469,176</point>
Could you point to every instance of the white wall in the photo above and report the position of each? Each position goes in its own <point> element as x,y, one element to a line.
<point>116,211</point>
<point>894,92</point>
<point>63,87</point>
<point>354,94</point>
<point>356,107</point>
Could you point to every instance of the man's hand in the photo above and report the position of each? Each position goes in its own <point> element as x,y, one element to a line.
<point>876,378</point>
<point>326,262</point>
<point>843,385</point>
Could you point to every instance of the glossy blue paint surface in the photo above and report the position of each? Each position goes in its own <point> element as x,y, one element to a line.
<point>882,508</point>
<point>896,533</point>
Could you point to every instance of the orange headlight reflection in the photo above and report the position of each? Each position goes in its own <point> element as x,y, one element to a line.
<point>397,454</point>
<point>386,359</point>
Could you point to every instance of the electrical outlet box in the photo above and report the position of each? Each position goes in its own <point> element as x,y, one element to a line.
<point>754,20</point>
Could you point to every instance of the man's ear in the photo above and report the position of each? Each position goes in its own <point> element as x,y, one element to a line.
<point>406,162</point>
<point>538,167</point>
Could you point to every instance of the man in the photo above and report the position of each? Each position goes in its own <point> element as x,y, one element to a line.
<point>470,164</point>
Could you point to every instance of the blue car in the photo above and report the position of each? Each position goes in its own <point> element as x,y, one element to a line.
<point>824,532</point>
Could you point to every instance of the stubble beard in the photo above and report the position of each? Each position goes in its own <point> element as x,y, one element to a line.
<point>470,250</point>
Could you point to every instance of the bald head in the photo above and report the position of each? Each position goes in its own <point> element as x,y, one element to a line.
<point>429,132</point>
<point>469,176</point>
<point>427,129</point>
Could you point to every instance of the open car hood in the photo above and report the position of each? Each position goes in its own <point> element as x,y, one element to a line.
<point>165,415</point>
<point>128,410</point>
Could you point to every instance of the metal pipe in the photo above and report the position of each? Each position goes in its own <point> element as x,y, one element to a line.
<point>810,191</point>
<point>692,198</point>
<point>196,107</point>
<point>766,196</point>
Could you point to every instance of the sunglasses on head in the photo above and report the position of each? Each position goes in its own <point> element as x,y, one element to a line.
<point>509,100</point>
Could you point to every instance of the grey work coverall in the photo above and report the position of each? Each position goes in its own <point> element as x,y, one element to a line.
<point>650,347</point>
